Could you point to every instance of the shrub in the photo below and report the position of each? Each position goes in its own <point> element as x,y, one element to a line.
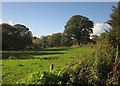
<point>105,55</point>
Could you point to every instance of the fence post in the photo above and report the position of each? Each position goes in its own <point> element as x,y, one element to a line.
<point>51,67</point>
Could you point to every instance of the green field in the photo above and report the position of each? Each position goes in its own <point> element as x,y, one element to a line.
<point>16,70</point>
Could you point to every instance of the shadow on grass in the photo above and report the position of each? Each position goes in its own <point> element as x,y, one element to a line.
<point>26,54</point>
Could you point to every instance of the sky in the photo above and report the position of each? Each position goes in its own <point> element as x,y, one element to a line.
<point>45,18</point>
<point>59,0</point>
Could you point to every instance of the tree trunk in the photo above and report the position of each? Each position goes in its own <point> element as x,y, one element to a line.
<point>78,42</point>
<point>116,63</point>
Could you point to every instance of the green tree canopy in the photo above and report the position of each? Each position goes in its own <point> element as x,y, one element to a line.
<point>79,27</point>
<point>15,37</point>
<point>114,22</point>
<point>55,40</point>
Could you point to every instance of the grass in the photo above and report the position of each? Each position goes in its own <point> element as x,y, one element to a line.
<point>62,58</point>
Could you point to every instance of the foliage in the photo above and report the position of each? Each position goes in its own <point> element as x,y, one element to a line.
<point>55,40</point>
<point>115,26</point>
<point>79,27</point>
<point>115,39</point>
<point>66,41</point>
<point>106,48</point>
<point>15,37</point>
<point>105,55</point>
<point>37,44</point>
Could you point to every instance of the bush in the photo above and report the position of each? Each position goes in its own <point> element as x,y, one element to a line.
<point>49,79</point>
<point>105,56</point>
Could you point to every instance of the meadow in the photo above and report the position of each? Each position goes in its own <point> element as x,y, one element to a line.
<point>15,70</point>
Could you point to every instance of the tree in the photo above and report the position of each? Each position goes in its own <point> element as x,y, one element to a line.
<point>65,40</point>
<point>55,40</point>
<point>44,41</point>
<point>115,36</point>
<point>24,35</point>
<point>8,37</point>
<point>15,37</point>
<point>79,27</point>
<point>37,44</point>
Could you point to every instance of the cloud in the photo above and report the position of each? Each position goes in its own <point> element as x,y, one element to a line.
<point>1,21</point>
<point>99,28</point>
<point>8,22</point>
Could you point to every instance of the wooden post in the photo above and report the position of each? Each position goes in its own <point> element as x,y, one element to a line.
<point>51,67</point>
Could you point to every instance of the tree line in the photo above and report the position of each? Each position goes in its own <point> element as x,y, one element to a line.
<point>19,37</point>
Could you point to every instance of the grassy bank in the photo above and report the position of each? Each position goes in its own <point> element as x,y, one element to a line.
<point>15,70</point>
